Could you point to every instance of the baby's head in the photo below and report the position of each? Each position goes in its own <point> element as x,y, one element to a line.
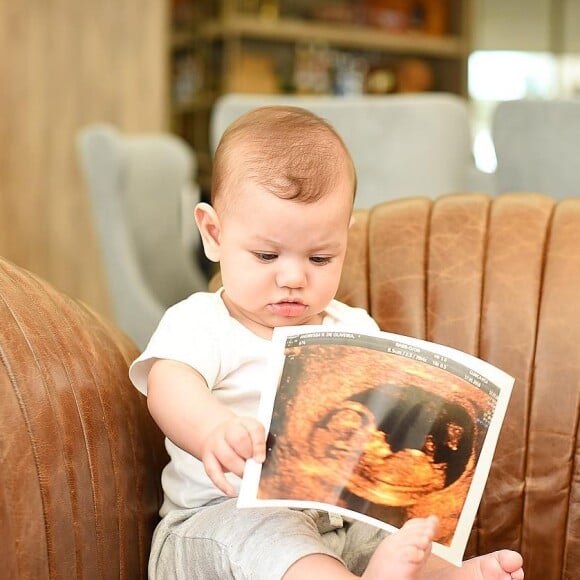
<point>282,196</point>
<point>288,151</point>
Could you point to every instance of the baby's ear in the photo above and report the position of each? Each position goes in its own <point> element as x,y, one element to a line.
<point>208,224</point>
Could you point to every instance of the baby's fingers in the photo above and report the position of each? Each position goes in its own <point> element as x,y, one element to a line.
<point>248,439</point>
<point>215,472</point>
<point>229,458</point>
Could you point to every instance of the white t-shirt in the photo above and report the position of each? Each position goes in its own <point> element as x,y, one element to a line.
<point>200,332</point>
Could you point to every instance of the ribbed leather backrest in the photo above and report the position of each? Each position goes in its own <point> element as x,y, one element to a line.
<point>80,458</point>
<point>499,278</point>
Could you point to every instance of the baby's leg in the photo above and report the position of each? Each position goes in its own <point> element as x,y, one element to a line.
<point>400,556</point>
<point>502,565</point>
<point>403,554</point>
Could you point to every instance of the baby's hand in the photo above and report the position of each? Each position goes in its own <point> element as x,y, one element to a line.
<point>229,445</point>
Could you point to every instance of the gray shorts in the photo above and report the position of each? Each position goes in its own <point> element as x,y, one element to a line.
<point>221,541</point>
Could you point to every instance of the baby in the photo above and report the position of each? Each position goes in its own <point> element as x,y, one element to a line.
<point>282,198</point>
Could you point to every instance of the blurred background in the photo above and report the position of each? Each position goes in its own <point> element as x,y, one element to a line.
<point>159,66</point>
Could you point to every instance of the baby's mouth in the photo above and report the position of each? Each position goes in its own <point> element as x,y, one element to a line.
<point>288,308</point>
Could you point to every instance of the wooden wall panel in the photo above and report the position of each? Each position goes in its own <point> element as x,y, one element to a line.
<point>65,64</point>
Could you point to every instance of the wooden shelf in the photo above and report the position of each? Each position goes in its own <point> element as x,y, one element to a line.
<point>197,103</point>
<point>339,35</point>
<point>263,52</point>
<point>181,39</point>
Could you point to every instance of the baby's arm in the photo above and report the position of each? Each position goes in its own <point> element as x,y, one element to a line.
<point>192,418</point>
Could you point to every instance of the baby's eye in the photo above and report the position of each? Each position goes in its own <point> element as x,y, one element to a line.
<point>265,256</point>
<point>320,260</point>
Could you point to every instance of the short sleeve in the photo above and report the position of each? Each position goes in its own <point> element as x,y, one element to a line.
<point>187,333</point>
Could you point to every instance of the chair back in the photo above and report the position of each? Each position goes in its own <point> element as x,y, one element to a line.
<point>142,194</point>
<point>497,277</point>
<point>402,145</point>
<point>537,145</point>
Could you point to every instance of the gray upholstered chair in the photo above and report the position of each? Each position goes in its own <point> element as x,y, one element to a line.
<point>537,145</point>
<point>143,193</point>
<point>402,145</point>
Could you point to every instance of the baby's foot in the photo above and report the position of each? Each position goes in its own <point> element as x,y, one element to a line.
<point>403,554</point>
<point>502,565</point>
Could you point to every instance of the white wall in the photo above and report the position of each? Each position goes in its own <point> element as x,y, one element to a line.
<point>571,26</point>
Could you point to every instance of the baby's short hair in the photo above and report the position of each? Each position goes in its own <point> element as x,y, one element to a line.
<point>289,151</point>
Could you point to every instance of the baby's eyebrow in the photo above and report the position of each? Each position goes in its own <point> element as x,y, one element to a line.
<point>326,247</point>
<point>263,240</point>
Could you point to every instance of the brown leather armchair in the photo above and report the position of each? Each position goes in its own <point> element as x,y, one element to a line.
<point>497,277</point>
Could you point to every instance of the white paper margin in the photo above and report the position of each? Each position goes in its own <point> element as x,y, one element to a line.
<point>453,553</point>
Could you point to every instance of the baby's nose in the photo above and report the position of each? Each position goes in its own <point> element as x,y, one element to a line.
<point>292,274</point>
